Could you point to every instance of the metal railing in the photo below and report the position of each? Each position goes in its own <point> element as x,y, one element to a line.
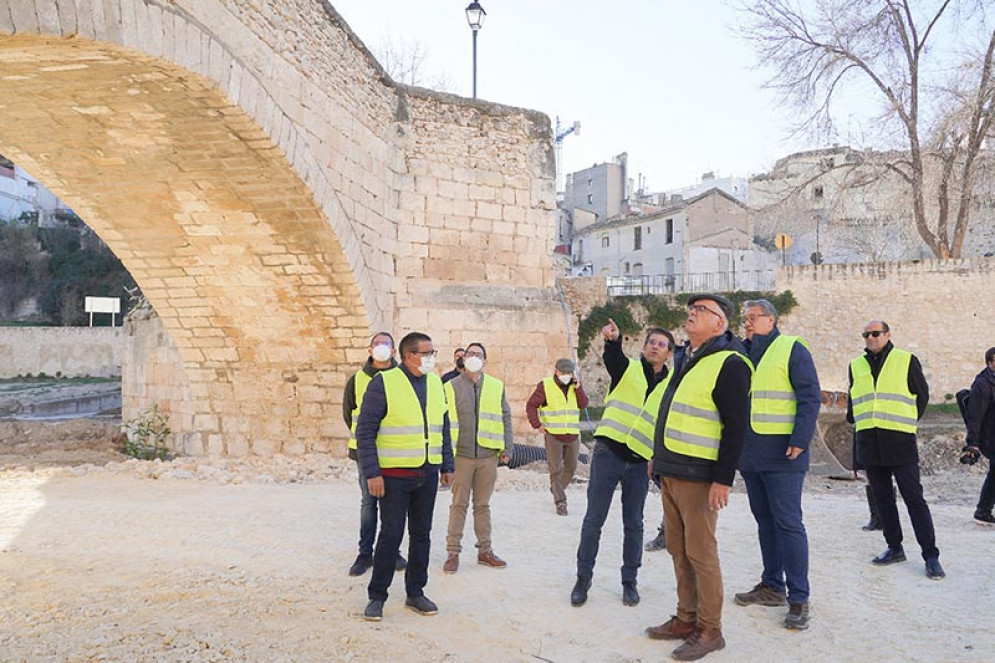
<point>661,284</point>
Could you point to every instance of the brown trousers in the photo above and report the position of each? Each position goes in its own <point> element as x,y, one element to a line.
<point>474,477</point>
<point>690,533</point>
<point>561,457</point>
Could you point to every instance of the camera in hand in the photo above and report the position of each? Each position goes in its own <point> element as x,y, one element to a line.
<point>970,455</point>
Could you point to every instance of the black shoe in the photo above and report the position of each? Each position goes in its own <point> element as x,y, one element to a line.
<point>630,595</point>
<point>361,565</point>
<point>984,517</point>
<point>422,605</point>
<point>933,569</point>
<point>890,556</point>
<point>659,542</point>
<point>374,611</point>
<point>872,526</point>
<point>797,617</point>
<point>578,596</point>
<point>401,563</point>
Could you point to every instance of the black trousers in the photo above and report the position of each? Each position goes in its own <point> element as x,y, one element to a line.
<point>411,501</point>
<point>907,478</point>
<point>987,499</point>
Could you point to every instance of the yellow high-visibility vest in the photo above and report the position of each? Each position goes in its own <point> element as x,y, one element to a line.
<point>888,404</point>
<point>774,405</point>
<point>694,427</point>
<point>401,440</point>
<point>490,420</point>
<point>630,416</point>
<point>560,415</point>
<point>359,384</point>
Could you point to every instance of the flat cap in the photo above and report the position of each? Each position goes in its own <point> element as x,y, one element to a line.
<point>564,365</point>
<point>724,304</point>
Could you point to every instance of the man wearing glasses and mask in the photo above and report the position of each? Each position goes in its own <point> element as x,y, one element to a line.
<point>888,396</point>
<point>402,436</point>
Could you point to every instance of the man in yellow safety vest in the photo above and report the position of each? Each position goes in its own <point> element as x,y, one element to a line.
<point>623,443</point>
<point>888,396</point>
<point>700,431</point>
<point>554,408</point>
<point>786,399</point>
<point>402,436</point>
<point>480,427</point>
<point>381,358</point>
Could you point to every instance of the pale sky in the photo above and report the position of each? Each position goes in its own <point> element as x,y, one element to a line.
<point>667,81</point>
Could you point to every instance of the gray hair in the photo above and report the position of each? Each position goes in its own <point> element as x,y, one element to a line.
<point>764,306</point>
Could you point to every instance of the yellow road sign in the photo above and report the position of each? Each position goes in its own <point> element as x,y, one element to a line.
<point>782,241</point>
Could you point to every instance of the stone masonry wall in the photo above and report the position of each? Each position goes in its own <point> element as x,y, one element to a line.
<point>936,309</point>
<point>278,198</point>
<point>69,352</point>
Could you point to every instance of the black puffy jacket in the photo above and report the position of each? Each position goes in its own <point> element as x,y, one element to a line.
<point>981,413</point>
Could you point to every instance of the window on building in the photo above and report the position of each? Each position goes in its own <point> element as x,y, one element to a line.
<point>626,269</point>
<point>637,238</point>
<point>637,269</point>
<point>580,250</point>
<point>669,230</point>
<point>590,199</point>
<point>605,241</point>
<point>818,192</point>
<point>590,183</point>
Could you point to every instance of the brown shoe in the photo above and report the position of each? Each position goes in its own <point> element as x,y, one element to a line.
<point>672,629</point>
<point>490,559</point>
<point>762,595</point>
<point>451,565</point>
<point>699,644</point>
<point>561,509</point>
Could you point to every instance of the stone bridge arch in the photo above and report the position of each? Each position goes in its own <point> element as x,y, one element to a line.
<point>277,197</point>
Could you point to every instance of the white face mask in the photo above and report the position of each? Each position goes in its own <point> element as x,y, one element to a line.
<point>473,364</point>
<point>382,352</point>
<point>427,365</point>
<point>565,379</point>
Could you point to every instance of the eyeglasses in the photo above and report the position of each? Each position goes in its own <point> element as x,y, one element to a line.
<point>875,333</point>
<point>753,318</point>
<point>426,353</point>
<point>700,308</point>
<point>474,353</point>
<point>663,345</point>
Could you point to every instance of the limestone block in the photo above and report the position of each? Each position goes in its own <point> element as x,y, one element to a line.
<point>24,16</point>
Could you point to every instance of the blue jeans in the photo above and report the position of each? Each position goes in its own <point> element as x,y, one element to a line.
<point>411,500</point>
<point>607,471</point>
<point>367,518</point>
<point>776,503</point>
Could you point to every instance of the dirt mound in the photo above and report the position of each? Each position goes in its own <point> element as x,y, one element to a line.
<point>70,442</point>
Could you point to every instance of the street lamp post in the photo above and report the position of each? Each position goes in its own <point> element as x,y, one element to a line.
<point>475,17</point>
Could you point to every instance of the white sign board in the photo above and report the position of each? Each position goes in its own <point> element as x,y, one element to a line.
<point>103,305</point>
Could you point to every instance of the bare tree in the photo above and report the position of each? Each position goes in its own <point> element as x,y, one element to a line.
<point>406,62</point>
<point>930,64</point>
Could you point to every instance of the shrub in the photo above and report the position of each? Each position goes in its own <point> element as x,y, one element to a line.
<point>147,434</point>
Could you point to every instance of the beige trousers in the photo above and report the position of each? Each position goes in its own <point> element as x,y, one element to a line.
<point>474,478</point>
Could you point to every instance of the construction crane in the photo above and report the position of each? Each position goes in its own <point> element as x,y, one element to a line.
<point>562,133</point>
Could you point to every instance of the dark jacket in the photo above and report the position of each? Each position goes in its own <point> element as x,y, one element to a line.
<point>349,396</point>
<point>732,398</point>
<point>981,414</point>
<point>372,412</point>
<point>765,453</point>
<point>879,446</point>
<point>617,363</point>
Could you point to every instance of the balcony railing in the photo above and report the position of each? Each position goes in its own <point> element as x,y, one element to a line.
<point>661,284</point>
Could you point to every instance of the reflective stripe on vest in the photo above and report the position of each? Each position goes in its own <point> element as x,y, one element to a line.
<point>360,384</point>
<point>694,427</point>
<point>774,405</point>
<point>490,420</point>
<point>888,403</point>
<point>630,416</point>
<point>560,415</point>
<point>401,440</point>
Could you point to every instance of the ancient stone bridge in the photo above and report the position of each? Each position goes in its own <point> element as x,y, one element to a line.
<point>278,198</point>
